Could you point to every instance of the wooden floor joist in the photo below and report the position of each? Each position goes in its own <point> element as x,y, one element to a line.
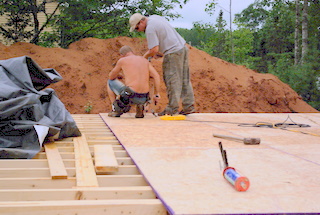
<point>28,186</point>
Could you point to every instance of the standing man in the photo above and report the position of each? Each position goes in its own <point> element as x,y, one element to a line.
<point>163,39</point>
<point>137,72</point>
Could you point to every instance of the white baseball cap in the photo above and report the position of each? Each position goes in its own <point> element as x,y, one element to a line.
<point>134,20</point>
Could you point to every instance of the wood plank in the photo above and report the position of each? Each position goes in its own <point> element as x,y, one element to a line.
<point>28,172</point>
<point>43,163</point>
<point>91,147</point>
<point>67,142</point>
<point>86,193</point>
<point>36,183</point>
<point>85,173</point>
<point>34,163</point>
<point>84,207</point>
<point>48,183</point>
<point>121,180</point>
<point>56,165</point>
<point>105,159</point>
<point>71,155</point>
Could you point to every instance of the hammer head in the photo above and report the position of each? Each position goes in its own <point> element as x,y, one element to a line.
<point>251,141</point>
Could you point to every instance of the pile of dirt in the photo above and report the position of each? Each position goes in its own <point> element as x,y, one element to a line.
<point>219,86</point>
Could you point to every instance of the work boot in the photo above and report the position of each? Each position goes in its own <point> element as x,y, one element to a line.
<point>188,111</point>
<point>139,111</point>
<point>114,114</point>
<point>167,112</point>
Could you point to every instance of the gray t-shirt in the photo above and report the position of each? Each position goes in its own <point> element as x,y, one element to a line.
<point>160,33</point>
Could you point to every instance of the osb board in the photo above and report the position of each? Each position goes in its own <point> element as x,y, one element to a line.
<point>182,161</point>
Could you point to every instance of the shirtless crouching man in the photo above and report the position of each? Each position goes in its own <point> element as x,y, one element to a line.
<point>137,72</point>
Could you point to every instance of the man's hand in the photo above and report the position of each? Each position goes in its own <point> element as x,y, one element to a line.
<point>158,55</point>
<point>156,98</point>
<point>151,52</point>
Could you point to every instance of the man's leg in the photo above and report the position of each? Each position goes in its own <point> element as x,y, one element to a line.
<point>114,89</point>
<point>187,93</point>
<point>140,102</point>
<point>172,74</point>
<point>111,95</point>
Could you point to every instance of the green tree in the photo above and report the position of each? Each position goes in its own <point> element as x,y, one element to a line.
<point>106,19</point>
<point>21,15</point>
<point>275,34</point>
<point>79,18</point>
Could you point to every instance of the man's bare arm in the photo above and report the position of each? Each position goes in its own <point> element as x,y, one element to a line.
<point>115,71</point>
<point>156,77</point>
<point>151,52</point>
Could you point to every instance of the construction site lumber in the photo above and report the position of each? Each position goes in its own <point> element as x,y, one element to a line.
<point>85,173</point>
<point>29,186</point>
<point>56,165</point>
<point>105,159</point>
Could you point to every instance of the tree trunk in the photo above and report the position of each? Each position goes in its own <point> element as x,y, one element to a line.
<point>304,49</point>
<point>297,35</point>
<point>34,6</point>
<point>35,38</point>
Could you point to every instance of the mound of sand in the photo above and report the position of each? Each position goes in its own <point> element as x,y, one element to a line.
<point>219,86</point>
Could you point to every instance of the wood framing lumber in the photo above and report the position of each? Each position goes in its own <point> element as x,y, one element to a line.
<point>43,163</point>
<point>84,207</point>
<point>85,173</point>
<point>48,183</point>
<point>36,183</point>
<point>105,159</point>
<point>86,193</point>
<point>56,165</point>
<point>30,172</point>
<point>121,180</point>
<point>71,155</point>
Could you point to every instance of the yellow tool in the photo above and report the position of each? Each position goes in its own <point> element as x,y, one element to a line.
<point>174,117</point>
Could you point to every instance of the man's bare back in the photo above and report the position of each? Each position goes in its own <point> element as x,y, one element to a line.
<point>136,72</point>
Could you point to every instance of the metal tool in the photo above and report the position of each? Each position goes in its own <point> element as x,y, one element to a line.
<point>240,183</point>
<point>247,141</point>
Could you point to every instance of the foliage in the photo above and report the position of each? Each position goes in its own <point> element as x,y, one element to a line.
<point>216,40</point>
<point>211,7</point>
<point>78,18</point>
<point>88,107</point>
<point>264,41</point>
<point>304,79</point>
<point>108,18</point>
<point>23,22</point>
<point>47,39</point>
<point>18,19</point>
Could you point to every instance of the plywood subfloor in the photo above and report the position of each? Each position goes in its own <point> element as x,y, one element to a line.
<point>27,187</point>
<point>182,161</point>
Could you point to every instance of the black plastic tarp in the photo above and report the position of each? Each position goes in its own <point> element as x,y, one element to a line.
<point>30,113</point>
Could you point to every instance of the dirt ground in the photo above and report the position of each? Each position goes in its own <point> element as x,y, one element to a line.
<point>219,86</point>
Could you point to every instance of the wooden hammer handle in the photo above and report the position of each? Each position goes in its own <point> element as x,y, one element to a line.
<point>227,137</point>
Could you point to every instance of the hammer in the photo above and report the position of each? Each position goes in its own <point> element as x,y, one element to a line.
<point>247,141</point>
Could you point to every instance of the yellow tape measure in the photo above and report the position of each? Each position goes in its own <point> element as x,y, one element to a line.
<point>174,117</point>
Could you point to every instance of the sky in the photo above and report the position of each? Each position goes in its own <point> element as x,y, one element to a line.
<point>193,11</point>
